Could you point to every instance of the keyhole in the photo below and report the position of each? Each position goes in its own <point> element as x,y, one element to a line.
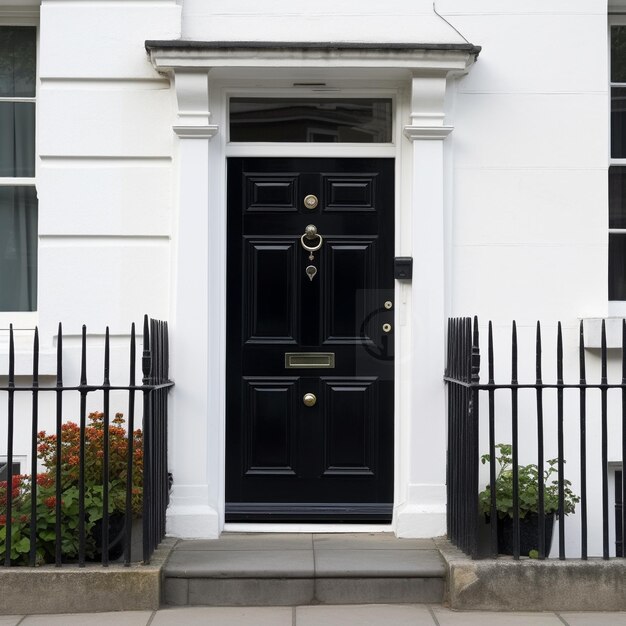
<point>311,270</point>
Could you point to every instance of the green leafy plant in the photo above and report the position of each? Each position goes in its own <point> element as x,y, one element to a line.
<point>528,476</point>
<point>45,498</point>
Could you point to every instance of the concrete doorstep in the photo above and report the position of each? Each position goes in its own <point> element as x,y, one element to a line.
<point>257,569</point>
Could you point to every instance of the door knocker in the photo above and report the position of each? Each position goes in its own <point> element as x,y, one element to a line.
<point>310,233</point>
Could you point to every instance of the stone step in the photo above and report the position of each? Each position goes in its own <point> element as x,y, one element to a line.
<point>249,569</point>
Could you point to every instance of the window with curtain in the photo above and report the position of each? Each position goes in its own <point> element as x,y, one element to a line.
<point>18,197</point>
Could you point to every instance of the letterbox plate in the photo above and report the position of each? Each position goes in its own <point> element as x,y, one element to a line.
<point>294,360</point>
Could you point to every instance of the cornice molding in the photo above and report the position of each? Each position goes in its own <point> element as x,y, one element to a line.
<point>427,132</point>
<point>196,132</point>
<point>171,56</point>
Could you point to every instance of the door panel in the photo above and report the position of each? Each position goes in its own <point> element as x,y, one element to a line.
<point>271,269</point>
<point>270,431</point>
<point>353,194</point>
<point>271,193</point>
<point>350,282</point>
<point>287,460</point>
<point>350,426</point>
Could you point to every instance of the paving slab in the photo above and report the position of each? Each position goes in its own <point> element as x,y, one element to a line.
<point>379,563</point>
<point>594,619</point>
<point>250,541</point>
<point>370,615</point>
<point>446,617</point>
<point>10,620</point>
<point>119,618</point>
<point>240,564</point>
<point>369,541</point>
<point>224,616</point>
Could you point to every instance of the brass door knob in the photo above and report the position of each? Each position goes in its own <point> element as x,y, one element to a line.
<point>311,201</point>
<point>309,399</point>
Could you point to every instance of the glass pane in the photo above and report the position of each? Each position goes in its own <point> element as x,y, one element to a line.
<point>18,55</point>
<point>17,139</point>
<point>618,122</point>
<point>617,266</point>
<point>4,470</point>
<point>617,197</point>
<point>356,120</point>
<point>18,249</point>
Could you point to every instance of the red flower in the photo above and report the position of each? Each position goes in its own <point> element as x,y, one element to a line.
<point>50,502</point>
<point>45,480</point>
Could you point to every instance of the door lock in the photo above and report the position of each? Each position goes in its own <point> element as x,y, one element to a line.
<point>386,328</point>
<point>309,399</point>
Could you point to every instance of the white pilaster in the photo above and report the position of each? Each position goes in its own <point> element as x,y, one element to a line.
<point>422,510</point>
<point>193,511</point>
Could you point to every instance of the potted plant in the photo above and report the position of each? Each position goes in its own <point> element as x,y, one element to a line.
<point>528,489</point>
<point>94,506</point>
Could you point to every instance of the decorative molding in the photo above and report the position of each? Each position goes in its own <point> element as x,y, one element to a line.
<point>192,97</point>
<point>428,95</point>
<point>196,132</point>
<point>172,56</point>
<point>427,132</point>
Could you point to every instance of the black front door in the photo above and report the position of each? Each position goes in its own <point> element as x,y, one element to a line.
<point>309,414</point>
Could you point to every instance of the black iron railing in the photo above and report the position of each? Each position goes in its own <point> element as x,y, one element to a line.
<point>465,522</point>
<point>72,452</point>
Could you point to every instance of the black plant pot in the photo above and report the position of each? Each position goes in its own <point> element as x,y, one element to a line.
<point>117,532</point>
<point>528,534</point>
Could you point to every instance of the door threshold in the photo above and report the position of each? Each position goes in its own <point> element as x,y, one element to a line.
<point>255,527</point>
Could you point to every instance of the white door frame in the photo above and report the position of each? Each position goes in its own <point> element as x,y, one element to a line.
<point>197,442</point>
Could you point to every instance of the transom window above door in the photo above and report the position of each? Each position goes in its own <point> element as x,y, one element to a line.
<point>311,120</point>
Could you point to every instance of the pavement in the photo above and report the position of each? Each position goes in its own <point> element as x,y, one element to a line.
<point>320,615</point>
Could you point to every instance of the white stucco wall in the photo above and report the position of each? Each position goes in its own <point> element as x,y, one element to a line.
<point>529,220</point>
<point>104,182</point>
<point>525,187</point>
<point>299,20</point>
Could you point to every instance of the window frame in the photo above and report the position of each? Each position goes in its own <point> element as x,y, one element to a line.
<point>26,16</point>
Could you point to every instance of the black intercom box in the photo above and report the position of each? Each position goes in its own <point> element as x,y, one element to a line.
<point>403,267</point>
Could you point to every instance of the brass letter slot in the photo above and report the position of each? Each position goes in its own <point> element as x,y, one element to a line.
<point>309,359</point>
